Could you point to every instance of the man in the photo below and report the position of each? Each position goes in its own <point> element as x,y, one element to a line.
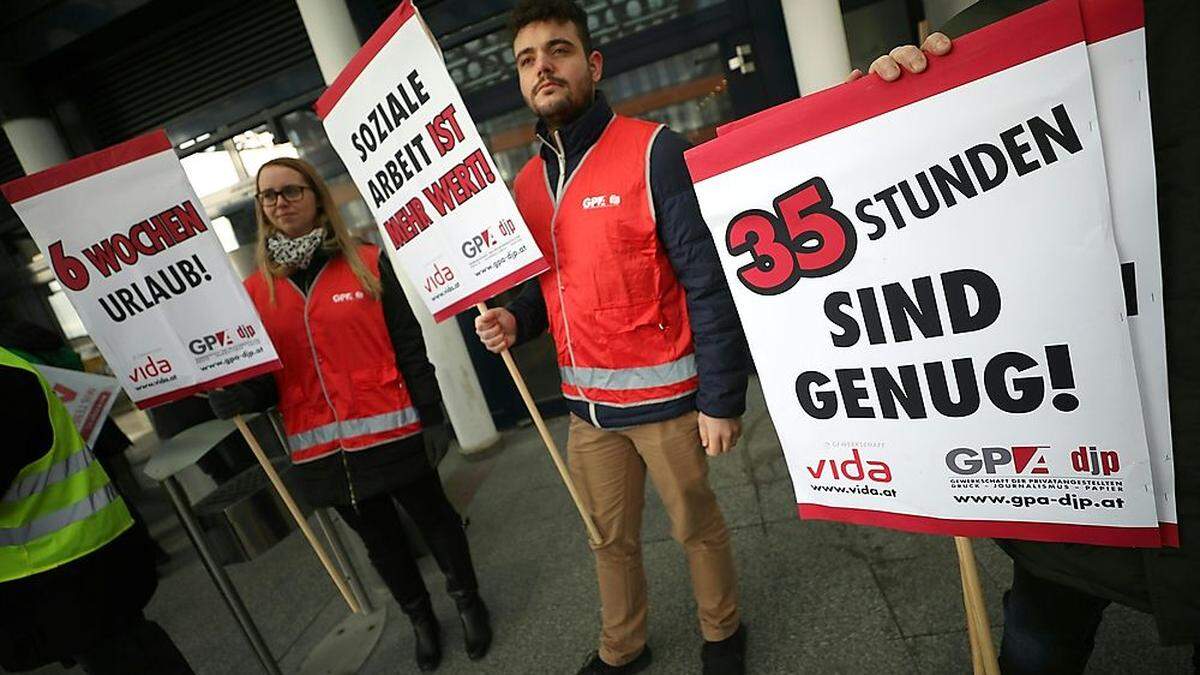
<point>652,357</point>
<point>75,573</point>
<point>1060,591</point>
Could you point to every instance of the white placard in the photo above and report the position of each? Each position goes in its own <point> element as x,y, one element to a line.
<point>1117,52</point>
<point>447,221</point>
<point>88,397</point>
<point>943,348</point>
<point>133,249</point>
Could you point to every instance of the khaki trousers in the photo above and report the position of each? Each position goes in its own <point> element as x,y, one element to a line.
<point>609,468</point>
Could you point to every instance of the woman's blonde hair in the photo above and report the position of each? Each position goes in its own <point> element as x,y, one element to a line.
<point>337,235</point>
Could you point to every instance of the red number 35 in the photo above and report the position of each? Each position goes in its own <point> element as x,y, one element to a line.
<point>805,237</point>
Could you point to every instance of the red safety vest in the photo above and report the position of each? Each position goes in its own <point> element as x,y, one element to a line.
<point>616,309</point>
<point>339,388</point>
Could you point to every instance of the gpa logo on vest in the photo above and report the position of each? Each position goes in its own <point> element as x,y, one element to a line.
<point>348,296</point>
<point>601,201</point>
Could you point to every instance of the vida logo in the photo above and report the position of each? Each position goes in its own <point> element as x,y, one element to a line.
<point>149,369</point>
<point>441,276</point>
<point>853,469</point>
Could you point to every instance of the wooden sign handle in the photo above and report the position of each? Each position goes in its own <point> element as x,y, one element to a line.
<point>286,496</point>
<point>983,651</point>
<point>551,447</point>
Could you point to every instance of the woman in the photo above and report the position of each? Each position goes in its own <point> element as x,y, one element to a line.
<point>357,394</point>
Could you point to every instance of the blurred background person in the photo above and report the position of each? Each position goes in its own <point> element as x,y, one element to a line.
<point>75,573</point>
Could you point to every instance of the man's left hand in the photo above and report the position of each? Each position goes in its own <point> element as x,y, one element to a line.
<point>906,58</point>
<point>719,434</point>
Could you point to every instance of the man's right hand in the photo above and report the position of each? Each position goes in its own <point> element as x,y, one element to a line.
<point>497,329</point>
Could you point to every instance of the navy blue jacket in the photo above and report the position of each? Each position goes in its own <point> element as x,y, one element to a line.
<point>722,357</point>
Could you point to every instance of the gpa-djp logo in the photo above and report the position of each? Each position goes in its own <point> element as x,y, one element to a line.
<point>478,244</point>
<point>224,338</point>
<point>1087,459</point>
<point>992,460</point>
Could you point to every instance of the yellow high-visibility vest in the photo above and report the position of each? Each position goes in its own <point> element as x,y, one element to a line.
<point>60,507</point>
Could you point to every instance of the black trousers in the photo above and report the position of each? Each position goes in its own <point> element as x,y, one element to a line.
<point>137,646</point>
<point>378,523</point>
<point>1050,628</point>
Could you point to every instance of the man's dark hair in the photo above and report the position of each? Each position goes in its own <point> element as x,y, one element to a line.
<point>557,11</point>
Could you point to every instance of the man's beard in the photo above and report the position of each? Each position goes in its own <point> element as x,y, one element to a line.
<point>565,108</point>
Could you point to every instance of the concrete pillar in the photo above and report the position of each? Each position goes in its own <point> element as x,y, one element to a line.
<point>36,142</point>
<point>331,32</point>
<point>334,41</point>
<point>817,38</point>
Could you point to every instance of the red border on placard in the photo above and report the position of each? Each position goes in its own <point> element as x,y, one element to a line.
<point>223,381</point>
<point>1101,535</point>
<point>88,165</point>
<point>360,60</point>
<point>1103,19</point>
<point>1170,534</point>
<point>495,288</point>
<point>1038,31</point>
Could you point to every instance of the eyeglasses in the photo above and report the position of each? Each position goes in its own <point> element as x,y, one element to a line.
<point>291,193</point>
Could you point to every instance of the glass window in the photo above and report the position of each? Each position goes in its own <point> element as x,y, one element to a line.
<point>210,171</point>
<point>488,59</point>
<point>224,229</point>
<point>688,92</point>
<point>257,147</point>
<point>223,177</point>
<point>68,318</point>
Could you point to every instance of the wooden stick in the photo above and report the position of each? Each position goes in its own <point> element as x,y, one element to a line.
<point>551,447</point>
<point>972,628</point>
<point>976,606</point>
<point>286,496</point>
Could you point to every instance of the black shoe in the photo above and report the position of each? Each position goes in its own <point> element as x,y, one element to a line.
<point>476,624</point>
<point>727,657</point>
<point>596,666</point>
<point>427,635</point>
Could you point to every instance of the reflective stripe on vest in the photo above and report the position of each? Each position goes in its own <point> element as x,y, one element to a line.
<point>642,377</point>
<point>61,506</point>
<point>58,472</point>
<point>346,429</point>
<point>339,388</point>
<point>57,520</point>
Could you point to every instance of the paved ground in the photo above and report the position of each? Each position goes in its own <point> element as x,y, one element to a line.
<point>817,597</point>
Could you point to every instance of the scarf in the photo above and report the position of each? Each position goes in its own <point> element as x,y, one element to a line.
<point>294,253</point>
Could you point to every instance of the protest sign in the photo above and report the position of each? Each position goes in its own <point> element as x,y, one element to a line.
<point>1115,35</point>
<point>1116,40</point>
<point>940,331</point>
<point>446,219</point>
<point>87,397</point>
<point>133,249</point>
<point>396,119</point>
